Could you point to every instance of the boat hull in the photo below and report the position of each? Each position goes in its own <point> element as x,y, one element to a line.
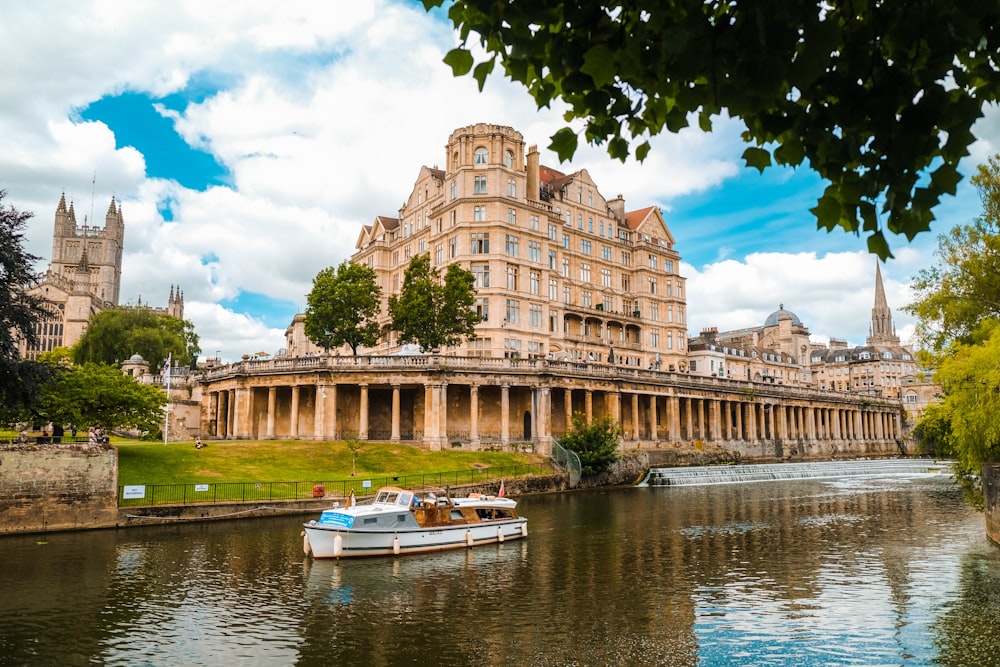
<point>334,542</point>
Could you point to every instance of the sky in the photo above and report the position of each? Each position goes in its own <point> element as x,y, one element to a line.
<point>249,142</point>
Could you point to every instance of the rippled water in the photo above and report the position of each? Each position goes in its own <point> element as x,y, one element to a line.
<point>857,571</point>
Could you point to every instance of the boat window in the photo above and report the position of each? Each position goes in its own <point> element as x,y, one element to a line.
<point>504,514</point>
<point>370,520</point>
<point>456,515</point>
<point>405,499</point>
<point>400,518</point>
<point>390,497</point>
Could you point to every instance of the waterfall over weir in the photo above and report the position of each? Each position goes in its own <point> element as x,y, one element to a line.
<point>767,472</point>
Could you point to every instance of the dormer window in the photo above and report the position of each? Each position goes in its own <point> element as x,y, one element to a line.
<point>482,155</point>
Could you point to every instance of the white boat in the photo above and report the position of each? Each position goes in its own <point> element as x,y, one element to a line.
<point>400,521</point>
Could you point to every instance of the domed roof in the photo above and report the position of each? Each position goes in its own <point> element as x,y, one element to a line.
<point>136,359</point>
<point>781,313</point>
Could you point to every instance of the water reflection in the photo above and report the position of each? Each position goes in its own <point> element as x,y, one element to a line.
<point>856,571</point>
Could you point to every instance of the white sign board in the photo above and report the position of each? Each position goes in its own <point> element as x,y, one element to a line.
<point>201,487</point>
<point>366,484</point>
<point>134,492</point>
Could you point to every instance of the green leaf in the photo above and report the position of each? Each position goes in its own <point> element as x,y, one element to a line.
<point>642,151</point>
<point>482,71</point>
<point>460,61</point>
<point>877,245</point>
<point>599,64</point>
<point>757,157</point>
<point>564,144</point>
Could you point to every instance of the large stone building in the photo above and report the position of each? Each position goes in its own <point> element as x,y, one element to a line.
<point>562,272</point>
<point>584,313</point>
<point>84,278</point>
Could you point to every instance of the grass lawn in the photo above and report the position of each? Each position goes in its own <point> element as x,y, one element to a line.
<point>291,461</point>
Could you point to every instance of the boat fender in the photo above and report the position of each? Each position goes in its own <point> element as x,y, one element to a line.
<point>306,547</point>
<point>395,545</point>
<point>338,545</point>
<point>524,529</point>
<point>499,533</point>
<point>468,538</point>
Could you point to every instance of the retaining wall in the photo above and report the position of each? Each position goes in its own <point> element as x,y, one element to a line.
<point>57,487</point>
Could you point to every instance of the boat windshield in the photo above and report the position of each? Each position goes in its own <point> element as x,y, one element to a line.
<point>386,497</point>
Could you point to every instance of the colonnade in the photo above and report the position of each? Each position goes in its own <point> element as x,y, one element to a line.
<point>477,408</point>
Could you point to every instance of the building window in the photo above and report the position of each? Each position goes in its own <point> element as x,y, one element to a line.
<point>668,265</point>
<point>480,185</point>
<point>439,254</point>
<point>512,348</point>
<point>513,311</point>
<point>535,315</point>
<point>482,155</point>
<point>585,273</point>
<point>508,159</point>
<point>511,245</point>
<point>652,261</point>
<point>579,221</point>
<point>605,277</point>
<point>566,294</point>
<point>511,187</point>
<point>566,241</point>
<point>511,278</point>
<point>479,213</point>
<point>565,268</point>
<point>626,258</point>
<point>608,303</point>
<point>587,297</point>
<point>552,260</point>
<point>553,320</point>
<point>481,272</point>
<point>453,247</point>
<point>590,225</point>
<point>483,308</point>
<point>553,233</point>
<point>585,246</point>
<point>652,285</point>
<point>454,190</point>
<point>606,252</point>
<point>535,251</point>
<point>626,282</point>
<point>533,223</point>
<point>480,243</point>
<point>511,216</point>
<point>654,338</point>
<point>534,282</point>
<point>553,289</point>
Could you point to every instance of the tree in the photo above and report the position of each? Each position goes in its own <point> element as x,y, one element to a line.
<point>90,393</point>
<point>596,444</point>
<point>114,335</point>
<point>432,313</point>
<point>879,98</point>
<point>20,380</point>
<point>343,307</point>
<point>958,300</point>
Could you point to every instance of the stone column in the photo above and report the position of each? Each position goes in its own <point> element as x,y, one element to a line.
<point>740,408</point>
<point>715,420</point>
<point>588,403</point>
<point>319,418</point>
<point>220,418</point>
<point>568,393</point>
<point>726,422</point>
<point>504,413</point>
<point>236,428</point>
<point>430,419</point>
<point>443,415</point>
<point>652,419</point>
<point>293,425</point>
<point>395,414</point>
<point>271,391</point>
<point>635,416</point>
<point>544,420</point>
<point>332,428</point>
<point>474,416</point>
<point>363,413</point>
<point>674,410</point>
<point>689,418</point>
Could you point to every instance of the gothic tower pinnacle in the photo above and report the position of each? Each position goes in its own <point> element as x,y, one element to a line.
<point>882,330</point>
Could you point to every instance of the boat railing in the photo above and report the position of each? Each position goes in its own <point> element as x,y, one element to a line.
<point>569,461</point>
<point>145,495</point>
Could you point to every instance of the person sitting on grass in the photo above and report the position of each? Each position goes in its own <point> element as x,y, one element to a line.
<point>198,444</point>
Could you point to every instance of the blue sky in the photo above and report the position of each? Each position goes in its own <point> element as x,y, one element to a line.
<point>249,145</point>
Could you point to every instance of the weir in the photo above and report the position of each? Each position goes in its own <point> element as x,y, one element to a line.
<point>732,474</point>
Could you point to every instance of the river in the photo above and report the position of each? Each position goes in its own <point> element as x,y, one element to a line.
<point>851,571</point>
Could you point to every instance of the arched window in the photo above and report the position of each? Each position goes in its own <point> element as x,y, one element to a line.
<point>508,159</point>
<point>482,155</point>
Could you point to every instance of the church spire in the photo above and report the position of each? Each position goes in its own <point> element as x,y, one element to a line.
<point>882,330</point>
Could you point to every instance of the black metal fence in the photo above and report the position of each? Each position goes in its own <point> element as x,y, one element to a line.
<point>145,495</point>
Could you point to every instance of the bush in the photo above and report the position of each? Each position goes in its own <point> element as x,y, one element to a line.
<point>596,443</point>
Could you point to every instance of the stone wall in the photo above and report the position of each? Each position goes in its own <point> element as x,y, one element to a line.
<point>57,487</point>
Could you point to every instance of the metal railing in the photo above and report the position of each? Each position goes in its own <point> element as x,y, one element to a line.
<point>570,462</point>
<point>145,495</point>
